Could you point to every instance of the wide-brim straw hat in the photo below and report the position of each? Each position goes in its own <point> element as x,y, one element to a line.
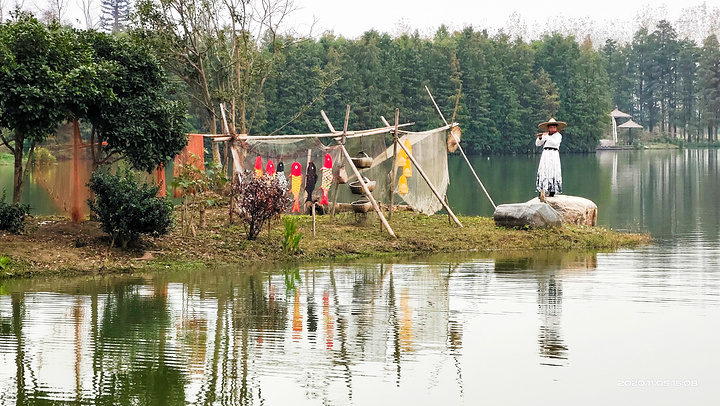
<point>560,124</point>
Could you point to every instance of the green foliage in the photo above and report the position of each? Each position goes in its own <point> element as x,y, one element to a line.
<point>140,121</point>
<point>43,157</point>
<point>51,73</point>
<point>4,263</point>
<point>199,189</point>
<point>291,237</point>
<point>126,208</point>
<point>12,216</point>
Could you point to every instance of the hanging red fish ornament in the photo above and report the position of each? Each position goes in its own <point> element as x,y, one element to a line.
<point>295,184</point>
<point>327,178</point>
<point>258,167</point>
<point>270,168</point>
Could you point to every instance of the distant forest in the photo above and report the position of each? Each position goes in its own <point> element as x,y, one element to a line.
<point>669,85</point>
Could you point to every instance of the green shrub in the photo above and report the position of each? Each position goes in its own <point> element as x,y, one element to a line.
<point>127,208</point>
<point>4,262</point>
<point>12,216</point>
<point>43,157</point>
<point>291,238</point>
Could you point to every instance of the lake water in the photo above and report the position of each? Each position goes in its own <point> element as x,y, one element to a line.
<point>557,328</point>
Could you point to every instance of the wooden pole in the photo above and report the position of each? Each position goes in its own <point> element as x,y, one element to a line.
<point>457,102</point>
<point>395,159</point>
<point>313,216</point>
<point>429,183</point>
<point>327,121</point>
<point>461,149</point>
<point>367,192</point>
<point>342,142</point>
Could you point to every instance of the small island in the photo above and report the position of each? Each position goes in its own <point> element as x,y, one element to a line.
<point>54,245</point>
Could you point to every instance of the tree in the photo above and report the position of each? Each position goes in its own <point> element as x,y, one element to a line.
<point>224,51</point>
<point>139,122</point>
<point>41,68</point>
<point>114,15</point>
<point>50,74</point>
<point>709,83</point>
<point>687,88</point>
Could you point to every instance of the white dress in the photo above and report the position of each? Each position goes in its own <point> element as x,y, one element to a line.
<point>549,174</point>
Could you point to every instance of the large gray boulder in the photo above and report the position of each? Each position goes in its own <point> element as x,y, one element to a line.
<point>533,215</point>
<point>572,209</point>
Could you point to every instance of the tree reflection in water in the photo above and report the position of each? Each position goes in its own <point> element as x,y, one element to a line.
<point>218,337</point>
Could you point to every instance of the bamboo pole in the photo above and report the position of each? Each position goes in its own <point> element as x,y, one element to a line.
<point>367,192</point>
<point>461,150</point>
<point>327,121</point>
<point>395,159</point>
<point>341,142</point>
<point>313,217</point>
<point>432,187</point>
<point>336,134</point>
<point>457,102</point>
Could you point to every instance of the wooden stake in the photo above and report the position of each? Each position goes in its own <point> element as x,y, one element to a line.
<point>395,159</point>
<point>429,183</point>
<point>313,216</point>
<point>342,142</point>
<point>367,192</point>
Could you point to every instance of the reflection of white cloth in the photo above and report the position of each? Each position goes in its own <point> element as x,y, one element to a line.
<point>549,175</point>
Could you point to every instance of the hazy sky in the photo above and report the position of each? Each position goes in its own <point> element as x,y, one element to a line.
<point>352,18</point>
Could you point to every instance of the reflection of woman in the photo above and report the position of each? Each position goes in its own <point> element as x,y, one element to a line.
<point>549,174</point>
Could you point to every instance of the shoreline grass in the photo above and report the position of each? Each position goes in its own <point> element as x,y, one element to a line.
<point>54,245</point>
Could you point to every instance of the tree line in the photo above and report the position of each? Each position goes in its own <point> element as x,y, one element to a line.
<point>671,86</point>
<point>274,82</point>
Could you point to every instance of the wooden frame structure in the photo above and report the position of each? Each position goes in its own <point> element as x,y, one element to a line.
<point>340,138</point>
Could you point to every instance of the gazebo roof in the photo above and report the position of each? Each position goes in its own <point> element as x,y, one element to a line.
<point>630,124</point>
<point>619,114</point>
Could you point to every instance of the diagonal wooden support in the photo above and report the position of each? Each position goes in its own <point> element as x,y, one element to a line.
<point>429,183</point>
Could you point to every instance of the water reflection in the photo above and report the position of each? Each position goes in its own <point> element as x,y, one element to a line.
<point>546,270</point>
<point>430,331</point>
<point>223,336</point>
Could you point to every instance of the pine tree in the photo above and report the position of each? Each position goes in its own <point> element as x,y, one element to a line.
<point>709,84</point>
<point>114,14</point>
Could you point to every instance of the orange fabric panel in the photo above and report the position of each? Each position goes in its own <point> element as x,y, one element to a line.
<point>194,147</point>
<point>160,180</point>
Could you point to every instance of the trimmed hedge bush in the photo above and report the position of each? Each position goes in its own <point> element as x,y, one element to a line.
<point>126,209</point>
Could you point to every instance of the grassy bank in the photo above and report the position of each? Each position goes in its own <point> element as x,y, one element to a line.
<point>55,245</point>
<point>6,158</point>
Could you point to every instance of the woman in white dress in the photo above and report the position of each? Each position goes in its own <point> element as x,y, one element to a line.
<point>549,174</point>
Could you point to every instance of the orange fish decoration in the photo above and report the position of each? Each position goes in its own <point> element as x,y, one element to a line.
<point>295,184</point>
<point>258,167</point>
<point>270,168</point>
<point>407,168</point>
<point>327,178</point>
<point>403,186</point>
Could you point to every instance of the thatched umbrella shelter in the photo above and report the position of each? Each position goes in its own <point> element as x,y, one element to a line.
<point>630,125</point>
<point>614,115</point>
